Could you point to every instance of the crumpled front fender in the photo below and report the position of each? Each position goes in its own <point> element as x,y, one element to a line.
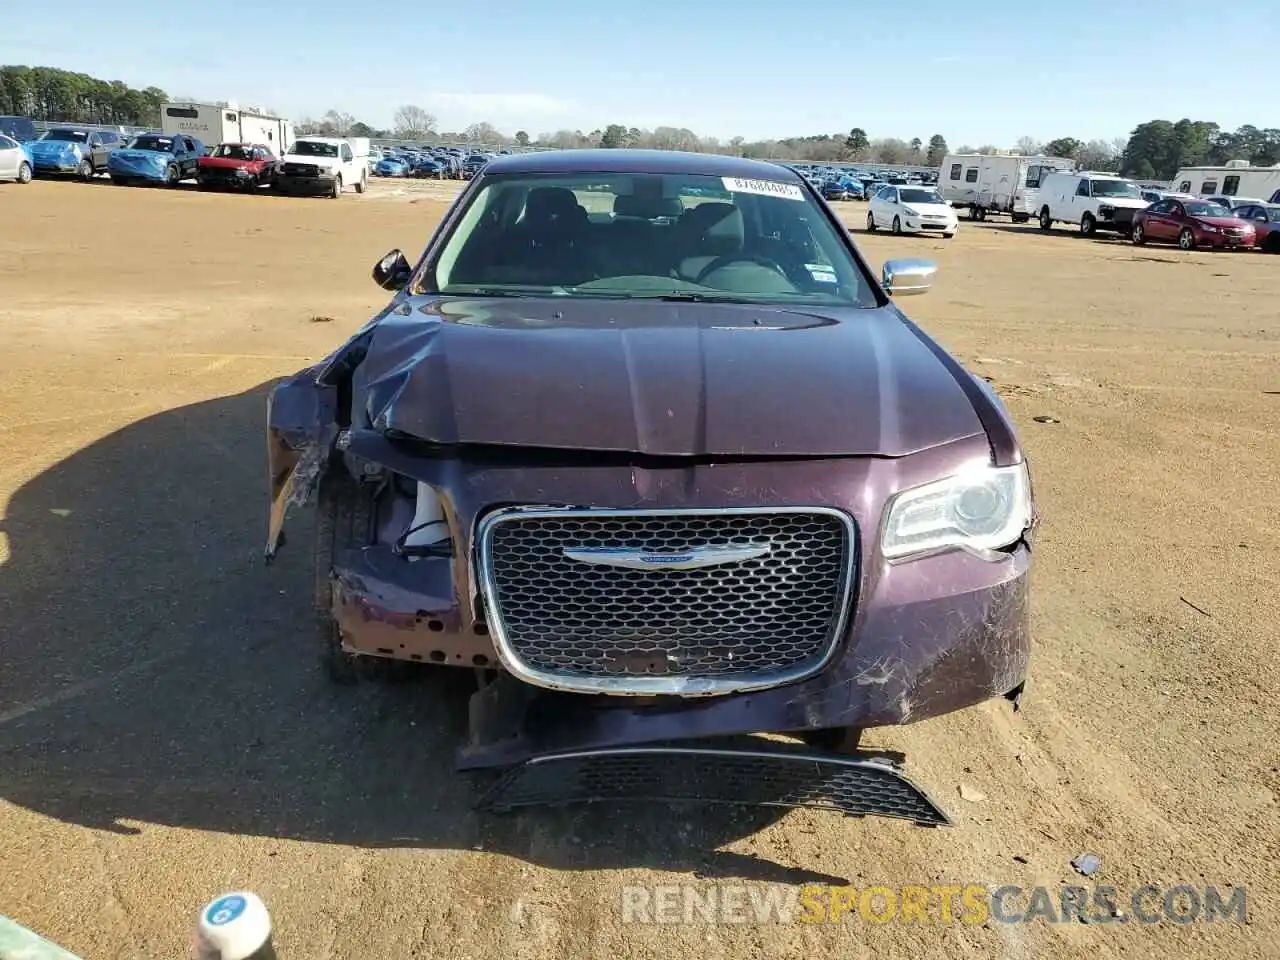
<point>302,427</point>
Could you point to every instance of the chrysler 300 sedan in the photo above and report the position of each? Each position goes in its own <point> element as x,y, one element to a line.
<point>642,444</point>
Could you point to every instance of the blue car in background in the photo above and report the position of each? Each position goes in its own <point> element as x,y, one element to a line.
<point>392,167</point>
<point>156,158</point>
<point>79,151</point>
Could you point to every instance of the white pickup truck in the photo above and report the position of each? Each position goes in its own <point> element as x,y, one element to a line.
<point>321,165</point>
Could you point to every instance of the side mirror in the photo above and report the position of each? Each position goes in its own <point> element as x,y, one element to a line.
<point>1261,218</point>
<point>902,278</point>
<point>392,271</point>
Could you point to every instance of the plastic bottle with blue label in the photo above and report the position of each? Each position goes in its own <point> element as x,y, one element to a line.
<point>234,926</point>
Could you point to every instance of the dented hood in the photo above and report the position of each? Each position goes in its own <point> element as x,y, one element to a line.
<point>659,378</point>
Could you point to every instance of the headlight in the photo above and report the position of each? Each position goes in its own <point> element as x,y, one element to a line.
<point>1208,228</point>
<point>983,508</point>
<point>1106,208</point>
<point>910,212</point>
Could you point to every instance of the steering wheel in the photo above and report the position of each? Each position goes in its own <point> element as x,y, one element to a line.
<point>727,258</point>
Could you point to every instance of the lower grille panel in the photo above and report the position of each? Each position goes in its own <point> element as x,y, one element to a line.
<point>765,777</point>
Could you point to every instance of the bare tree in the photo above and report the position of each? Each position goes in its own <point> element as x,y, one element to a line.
<point>338,123</point>
<point>486,133</point>
<point>1029,146</point>
<point>412,122</point>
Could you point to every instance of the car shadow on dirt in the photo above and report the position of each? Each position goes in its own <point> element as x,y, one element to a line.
<point>153,671</point>
<point>1060,231</point>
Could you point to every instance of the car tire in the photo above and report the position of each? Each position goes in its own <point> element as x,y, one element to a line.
<point>835,739</point>
<point>24,172</point>
<point>171,174</point>
<point>1186,239</point>
<point>871,222</point>
<point>337,187</point>
<point>897,225</point>
<point>344,519</point>
<point>1139,235</point>
<point>1088,225</point>
<point>363,184</point>
<point>1046,220</point>
<point>85,172</point>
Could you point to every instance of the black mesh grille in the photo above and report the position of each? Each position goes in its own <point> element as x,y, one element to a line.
<point>860,788</point>
<point>773,613</point>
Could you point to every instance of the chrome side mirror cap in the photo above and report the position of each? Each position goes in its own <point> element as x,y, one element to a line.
<point>903,278</point>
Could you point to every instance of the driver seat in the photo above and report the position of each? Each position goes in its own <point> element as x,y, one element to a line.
<point>709,230</point>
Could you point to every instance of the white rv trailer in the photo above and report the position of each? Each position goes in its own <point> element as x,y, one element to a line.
<point>997,182</point>
<point>215,123</point>
<point>1235,179</point>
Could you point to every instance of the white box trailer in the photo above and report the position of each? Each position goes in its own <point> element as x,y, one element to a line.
<point>1231,180</point>
<point>215,123</point>
<point>997,182</point>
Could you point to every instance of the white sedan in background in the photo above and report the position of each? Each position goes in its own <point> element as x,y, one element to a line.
<point>14,162</point>
<point>911,209</point>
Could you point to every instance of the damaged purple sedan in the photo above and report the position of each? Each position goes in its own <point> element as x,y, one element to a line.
<point>642,444</point>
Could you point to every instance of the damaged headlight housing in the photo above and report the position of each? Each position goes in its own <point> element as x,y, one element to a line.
<point>982,508</point>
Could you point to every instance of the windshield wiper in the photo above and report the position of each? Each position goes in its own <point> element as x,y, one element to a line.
<point>684,296</point>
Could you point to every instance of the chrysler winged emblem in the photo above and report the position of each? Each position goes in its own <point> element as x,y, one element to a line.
<point>637,558</point>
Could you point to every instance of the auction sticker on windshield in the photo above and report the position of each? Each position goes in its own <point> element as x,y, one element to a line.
<point>764,188</point>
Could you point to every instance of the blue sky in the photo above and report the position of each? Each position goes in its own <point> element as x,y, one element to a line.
<point>976,73</point>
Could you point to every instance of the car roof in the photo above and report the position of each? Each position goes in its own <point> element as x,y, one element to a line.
<point>640,161</point>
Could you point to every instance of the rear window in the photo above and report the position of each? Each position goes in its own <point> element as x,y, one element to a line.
<point>19,128</point>
<point>649,236</point>
<point>151,142</point>
<point>70,136</point>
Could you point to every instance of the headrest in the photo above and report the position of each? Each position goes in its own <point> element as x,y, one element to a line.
<point>648,208</point>
<point>549,203</point>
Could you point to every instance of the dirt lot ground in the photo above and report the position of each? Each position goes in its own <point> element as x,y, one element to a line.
<point>164,734</point>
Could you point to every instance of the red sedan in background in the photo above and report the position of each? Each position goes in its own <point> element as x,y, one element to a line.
<point>245,166</point>
<point>1265,218</point>
<point>1191,224</point>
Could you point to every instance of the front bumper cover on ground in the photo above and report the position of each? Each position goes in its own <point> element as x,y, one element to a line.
<point>768,775</point>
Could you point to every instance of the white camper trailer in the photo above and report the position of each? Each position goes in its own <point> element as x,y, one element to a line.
<point>215,123</point>
<point>1235,179</point>
<point>997,182</point>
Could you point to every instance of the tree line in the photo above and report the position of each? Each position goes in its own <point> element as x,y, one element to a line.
<point>47,93</point>
<point>1154,150</point>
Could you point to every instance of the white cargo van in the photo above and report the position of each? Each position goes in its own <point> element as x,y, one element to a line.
<point>997,183</point>
<point>1096,201</point>
<point>1236,179</point>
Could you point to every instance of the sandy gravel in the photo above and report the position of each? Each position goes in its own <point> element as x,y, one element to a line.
<point>164,736</point>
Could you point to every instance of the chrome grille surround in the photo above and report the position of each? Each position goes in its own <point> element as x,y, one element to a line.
<point>803,618</point>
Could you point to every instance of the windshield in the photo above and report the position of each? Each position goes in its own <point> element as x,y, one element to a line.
<point>1202,208</point>
<point>1121,189</point>
<point>149,142</point>
<point>73,136</point>
<point>310,148</point>
<point>627,236</point>
<point>917,195</point>
<point>234,151</point>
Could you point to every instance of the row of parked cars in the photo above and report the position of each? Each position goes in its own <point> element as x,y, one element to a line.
<point>316,165</point>
<point>439,163</point>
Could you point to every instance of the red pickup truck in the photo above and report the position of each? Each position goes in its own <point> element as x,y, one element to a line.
<point>244,166</point>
